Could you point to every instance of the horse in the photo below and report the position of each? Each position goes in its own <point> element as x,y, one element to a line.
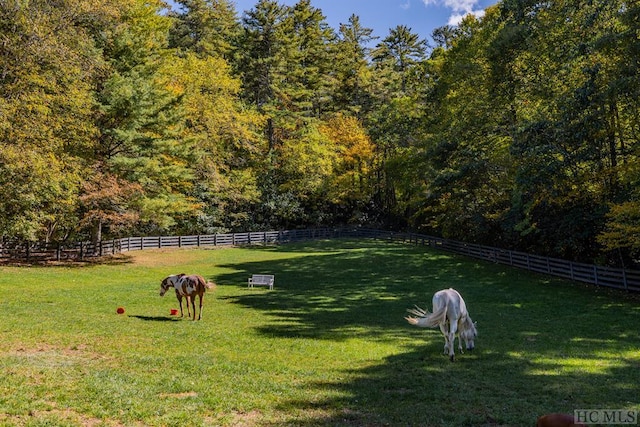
<point>451,315</point>
<point>188,287</point>
<point>557,420</point>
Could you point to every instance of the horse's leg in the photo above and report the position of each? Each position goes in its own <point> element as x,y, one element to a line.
<point>193,305</point>
<point>200,314</point>
<point>453,328</point>
<point>445,333</point>
<point>188,301</point>
<point>460,341</point>
<point>180,302</point>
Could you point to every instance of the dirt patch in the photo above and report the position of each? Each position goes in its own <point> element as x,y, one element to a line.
<point>237,419</point>
<point>57,416</point>
<point>184,395</point>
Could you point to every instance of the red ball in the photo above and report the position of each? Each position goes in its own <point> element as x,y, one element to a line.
<point>120,310</point>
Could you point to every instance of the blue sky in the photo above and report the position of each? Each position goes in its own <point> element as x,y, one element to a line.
<point>422,16</point>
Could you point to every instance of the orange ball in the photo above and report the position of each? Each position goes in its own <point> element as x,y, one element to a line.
<point>120,310</point>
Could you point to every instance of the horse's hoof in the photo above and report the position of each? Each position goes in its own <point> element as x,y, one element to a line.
<point>452,358</point>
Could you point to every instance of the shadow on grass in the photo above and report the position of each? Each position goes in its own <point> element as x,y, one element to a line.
<point>326,289</point>
<point>544,345</point>
<point>117,259</point>
<point>156,318</point>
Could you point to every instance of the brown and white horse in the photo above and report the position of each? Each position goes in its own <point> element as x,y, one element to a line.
<point>188,287</point>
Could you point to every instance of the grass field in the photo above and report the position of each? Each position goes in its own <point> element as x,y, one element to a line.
<point>328,346</point>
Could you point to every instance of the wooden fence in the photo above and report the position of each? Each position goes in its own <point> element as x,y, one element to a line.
<point>35,251</point>
<point>609,277</point>
<point>617,278</point>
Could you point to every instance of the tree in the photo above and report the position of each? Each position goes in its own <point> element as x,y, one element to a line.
<point>288,78</point>
<point>569,139</point>
<point>395,120</point>
<point>48,64</point>
<point>353,74</point>
<point>205,27</point>
<point>308,64</point>
<point>621,232</point>
<point>400,51</point>
<point>461,167</point>
<point>350,184</point>
<point>140,119</point>
<point>224,136</point>
<point>262,61</point>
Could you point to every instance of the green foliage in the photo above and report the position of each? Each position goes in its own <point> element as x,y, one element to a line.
<point>351,67</point>
<point>140,120</point>
<point>519,128</point>
<point>47,69</point>
<point>205,27</point>
<point>38,193</point>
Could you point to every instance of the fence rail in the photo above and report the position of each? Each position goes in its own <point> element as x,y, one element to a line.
<point>609,277</point>
<point>617,278</point>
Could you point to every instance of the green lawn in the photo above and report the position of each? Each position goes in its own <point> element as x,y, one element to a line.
<point>328,346</point>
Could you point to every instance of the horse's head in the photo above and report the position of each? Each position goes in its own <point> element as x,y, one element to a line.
<point>170,282</point>
<point>469,333</point>
<point>165,285</point>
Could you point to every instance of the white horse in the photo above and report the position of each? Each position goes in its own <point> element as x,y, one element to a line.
<point>451,315</point>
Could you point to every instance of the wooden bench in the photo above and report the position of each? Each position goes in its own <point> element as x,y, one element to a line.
<point>261,280</point>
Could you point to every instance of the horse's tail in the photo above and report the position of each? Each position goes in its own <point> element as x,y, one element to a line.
<point>204,285</point>
<point>425,319</point>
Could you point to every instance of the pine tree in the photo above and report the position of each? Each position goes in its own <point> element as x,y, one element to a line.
<point>205,27</point>
<point>353,74</point>
<point>140,120</point>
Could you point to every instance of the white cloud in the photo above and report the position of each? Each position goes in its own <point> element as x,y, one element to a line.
<point>456,18</point>
<point>406,5</point>
<point>460,8</point>
<point>460,5</point>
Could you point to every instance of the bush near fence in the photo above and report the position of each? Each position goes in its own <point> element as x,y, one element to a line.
<point>617,278</point>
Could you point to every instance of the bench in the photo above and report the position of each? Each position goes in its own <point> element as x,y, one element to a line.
<point>261,280</point>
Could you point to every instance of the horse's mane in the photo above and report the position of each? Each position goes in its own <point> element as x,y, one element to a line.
<point>468,327</point>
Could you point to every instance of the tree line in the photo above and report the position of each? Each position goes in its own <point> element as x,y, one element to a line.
<point>519,129</point>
